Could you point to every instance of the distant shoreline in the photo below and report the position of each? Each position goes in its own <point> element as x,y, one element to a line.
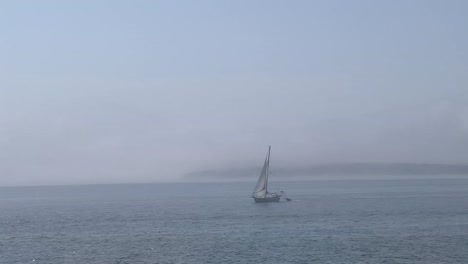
<point>320,172</point>
<point>251,179</point>
<point>350,170</point>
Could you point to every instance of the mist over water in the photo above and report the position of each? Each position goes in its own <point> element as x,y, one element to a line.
<point>151,91</point>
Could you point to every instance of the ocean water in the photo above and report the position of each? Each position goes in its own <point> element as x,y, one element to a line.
<point>361,221</point>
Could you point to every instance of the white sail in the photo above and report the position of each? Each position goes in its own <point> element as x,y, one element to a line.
<point>260,190</point>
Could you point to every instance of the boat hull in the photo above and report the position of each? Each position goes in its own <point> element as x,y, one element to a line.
<point>267,199</point>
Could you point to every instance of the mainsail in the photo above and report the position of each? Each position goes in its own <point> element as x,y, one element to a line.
<point>260,190</point>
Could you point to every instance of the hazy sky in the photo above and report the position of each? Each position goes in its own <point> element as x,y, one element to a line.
<point>138,91</point>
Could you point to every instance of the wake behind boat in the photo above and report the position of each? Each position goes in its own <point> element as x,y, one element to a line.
<point>260,193</point>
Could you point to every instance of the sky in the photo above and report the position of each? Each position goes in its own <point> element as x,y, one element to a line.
<point>147,91</point>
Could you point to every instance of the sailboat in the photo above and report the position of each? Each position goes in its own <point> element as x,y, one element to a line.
<point>260,193</point>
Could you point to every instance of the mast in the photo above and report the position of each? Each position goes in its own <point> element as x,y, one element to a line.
<point>268,171</point>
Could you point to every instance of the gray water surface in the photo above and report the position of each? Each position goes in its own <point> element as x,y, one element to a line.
<point>362,221</point>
